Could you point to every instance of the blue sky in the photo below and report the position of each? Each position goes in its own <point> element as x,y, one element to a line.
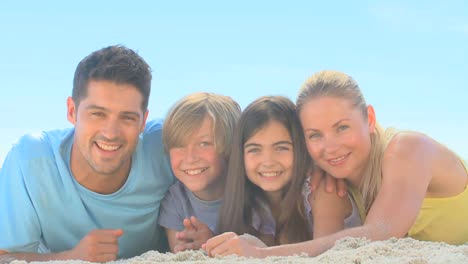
<point>409,57</point>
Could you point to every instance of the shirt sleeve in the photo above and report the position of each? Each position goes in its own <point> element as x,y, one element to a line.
<point>171,213</point>
<point>19,225</point>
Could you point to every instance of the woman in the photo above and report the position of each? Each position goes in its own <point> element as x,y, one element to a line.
<point>410,184</point>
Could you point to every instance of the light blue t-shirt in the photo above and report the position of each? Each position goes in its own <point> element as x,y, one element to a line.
<point>43,207</point>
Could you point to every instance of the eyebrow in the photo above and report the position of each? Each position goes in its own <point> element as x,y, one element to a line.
<point>334,125</point>
<point>97,107</point>
<point>274,144</point>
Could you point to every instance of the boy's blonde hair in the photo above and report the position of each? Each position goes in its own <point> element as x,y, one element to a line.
<point>187,114</point>
<point>339,85</point>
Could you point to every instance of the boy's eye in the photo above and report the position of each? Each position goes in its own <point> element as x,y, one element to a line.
<point>205,143</point>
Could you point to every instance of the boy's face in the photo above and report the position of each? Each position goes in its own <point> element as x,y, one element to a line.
<point>198,165</point>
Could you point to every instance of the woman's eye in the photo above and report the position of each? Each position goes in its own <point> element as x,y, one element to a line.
<point>314,136</point>
<point>343,127</point>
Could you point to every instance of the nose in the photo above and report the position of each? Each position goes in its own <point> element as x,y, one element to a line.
<point>190,154</point>
<point>111,130</point>
<point>268,159</point>
<point>331,144</point>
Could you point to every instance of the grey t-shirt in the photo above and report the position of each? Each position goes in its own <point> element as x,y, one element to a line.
<point>180,203</point>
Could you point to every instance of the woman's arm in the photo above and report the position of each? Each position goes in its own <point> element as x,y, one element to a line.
<point>328,211</point>
<point>406,175</point>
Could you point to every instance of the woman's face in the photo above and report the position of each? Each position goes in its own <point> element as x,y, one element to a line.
<point>337,136</point>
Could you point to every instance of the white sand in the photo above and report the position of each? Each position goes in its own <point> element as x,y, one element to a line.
<point>347,250</point>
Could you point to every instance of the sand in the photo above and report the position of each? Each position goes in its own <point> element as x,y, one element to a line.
<point>347,250</point>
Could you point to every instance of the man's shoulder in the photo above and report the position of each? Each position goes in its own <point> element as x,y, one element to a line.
<point>38,143</point>
<point>153,126</point>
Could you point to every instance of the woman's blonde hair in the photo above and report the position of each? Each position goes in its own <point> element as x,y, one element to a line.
<point>186,116</point>
<point>339,85</point>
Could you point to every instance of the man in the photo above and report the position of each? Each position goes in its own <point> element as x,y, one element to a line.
<point>91,192</point>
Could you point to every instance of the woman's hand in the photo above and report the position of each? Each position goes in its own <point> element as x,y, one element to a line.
<point>230,243</point>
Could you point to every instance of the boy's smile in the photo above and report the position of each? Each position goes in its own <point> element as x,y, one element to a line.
<point>198,165</point>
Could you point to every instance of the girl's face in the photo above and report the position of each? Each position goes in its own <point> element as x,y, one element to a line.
<point>198,165</point>
<point>337,136</point>
<point>268,157</point>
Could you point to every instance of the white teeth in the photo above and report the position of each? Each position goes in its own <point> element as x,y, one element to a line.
<point>269,174</point>
<point>108,147</point>
<point>338,159</point>
<point>195,172</point>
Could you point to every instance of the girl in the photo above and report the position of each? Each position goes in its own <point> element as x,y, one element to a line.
<point>266,173</point>
<point>411,185</point>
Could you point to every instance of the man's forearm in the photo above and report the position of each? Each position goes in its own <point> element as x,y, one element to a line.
<point>6,257</point>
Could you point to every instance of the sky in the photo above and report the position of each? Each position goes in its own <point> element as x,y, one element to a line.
<point>410,58</point>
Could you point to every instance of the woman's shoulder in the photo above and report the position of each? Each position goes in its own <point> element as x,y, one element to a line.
<point>411,146</point>
<point>409,142</point>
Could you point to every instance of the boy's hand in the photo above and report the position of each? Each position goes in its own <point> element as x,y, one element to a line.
<point>331,184</point>
<point>195,234</point>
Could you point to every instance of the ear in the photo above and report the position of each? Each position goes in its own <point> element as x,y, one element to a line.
<point>143,125</point>
<point>71,111</point>
<point>371,120</point>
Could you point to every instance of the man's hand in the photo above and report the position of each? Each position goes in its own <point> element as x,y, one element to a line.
<point>100,245</point>
<point>332,184</point>
<point>195,233</point>
<point>229,243</point>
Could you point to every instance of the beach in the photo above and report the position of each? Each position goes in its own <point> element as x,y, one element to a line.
<point>347,250</point>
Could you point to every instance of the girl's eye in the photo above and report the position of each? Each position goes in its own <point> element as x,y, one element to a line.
<point>252,150</point>
<point>282,148</point>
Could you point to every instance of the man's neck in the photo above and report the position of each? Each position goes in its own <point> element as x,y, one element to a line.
<point>98,182</point>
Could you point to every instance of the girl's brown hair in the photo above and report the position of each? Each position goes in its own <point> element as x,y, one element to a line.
<point>242,197</point>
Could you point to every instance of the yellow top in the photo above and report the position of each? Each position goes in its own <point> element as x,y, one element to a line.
<point>439,219</point>
<point>443,219</point>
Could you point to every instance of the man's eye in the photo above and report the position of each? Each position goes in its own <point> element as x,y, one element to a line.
<point>99,114</point>
<point>129,118</point>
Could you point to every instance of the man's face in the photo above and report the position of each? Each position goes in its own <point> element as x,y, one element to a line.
<point>107,123</point>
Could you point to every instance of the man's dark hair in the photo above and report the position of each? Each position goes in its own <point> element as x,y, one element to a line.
<point>118,64</point>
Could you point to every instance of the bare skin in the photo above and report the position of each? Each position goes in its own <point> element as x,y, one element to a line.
<point>195,234</point>
<point>107,126</point>
<point>414,167</point>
